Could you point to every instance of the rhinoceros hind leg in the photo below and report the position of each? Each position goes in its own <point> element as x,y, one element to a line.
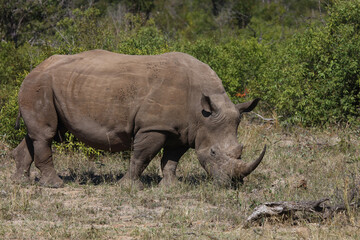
<point>169,163</point>
<point>24,156</point>
<point>44,162</point>
<point>40,117</point>
<point>146,146</point>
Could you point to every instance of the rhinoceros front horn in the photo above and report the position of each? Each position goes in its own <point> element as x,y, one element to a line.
<point>249,167</point>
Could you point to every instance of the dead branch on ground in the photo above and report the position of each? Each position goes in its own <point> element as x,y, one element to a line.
<point>320,207</point>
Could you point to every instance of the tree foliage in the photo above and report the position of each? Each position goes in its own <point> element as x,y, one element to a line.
<point>300,56</point>
<point>313,77</point>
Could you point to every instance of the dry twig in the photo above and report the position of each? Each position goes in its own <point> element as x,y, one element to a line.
<point>263,118</point>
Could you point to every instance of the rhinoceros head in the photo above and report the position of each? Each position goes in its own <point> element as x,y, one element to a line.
<point>216,143</point>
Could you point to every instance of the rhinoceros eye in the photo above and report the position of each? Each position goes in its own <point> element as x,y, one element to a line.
<point>205,113</point>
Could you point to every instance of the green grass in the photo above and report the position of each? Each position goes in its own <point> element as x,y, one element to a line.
<point>93,206</point>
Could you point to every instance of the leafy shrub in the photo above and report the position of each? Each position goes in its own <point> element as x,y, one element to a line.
<point>8,62</point>
<point>13,60</point>
<point>313,78</point>
<point>236,63</point>
<point>146,40</point>
<point>8,115</point>
<point>83,31</point>
<point>72,144</point>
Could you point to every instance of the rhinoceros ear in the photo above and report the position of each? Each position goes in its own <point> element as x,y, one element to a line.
<point>247,106</point>
<point>207,105</point>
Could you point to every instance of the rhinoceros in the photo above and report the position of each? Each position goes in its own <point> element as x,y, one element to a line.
<point>119,102</point>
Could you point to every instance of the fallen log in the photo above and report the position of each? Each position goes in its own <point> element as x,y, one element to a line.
<point>320,207</point>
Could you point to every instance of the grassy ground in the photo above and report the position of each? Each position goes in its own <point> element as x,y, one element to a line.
<point>300,164</point>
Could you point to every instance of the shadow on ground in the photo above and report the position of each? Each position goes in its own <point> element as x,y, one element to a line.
<point>90,177</point>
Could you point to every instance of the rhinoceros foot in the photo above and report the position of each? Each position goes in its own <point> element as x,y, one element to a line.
<point>169,181</point>
<point>52,180</point>
<point>126,182</point>
<point>20,178</point>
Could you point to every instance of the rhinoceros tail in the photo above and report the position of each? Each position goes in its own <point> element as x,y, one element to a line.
<point>17,123</point>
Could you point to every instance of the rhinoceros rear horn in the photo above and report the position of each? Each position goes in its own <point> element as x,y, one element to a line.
<point>251,166</point>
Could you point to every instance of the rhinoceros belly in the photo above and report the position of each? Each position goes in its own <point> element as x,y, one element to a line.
<point>107,130</point>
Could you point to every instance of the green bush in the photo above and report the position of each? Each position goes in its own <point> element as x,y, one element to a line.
<point>13,62</point>
<point>236,63</point>
<point>83,31</point>
<point>313,78</point>
<point>309,78</point>
<point>8,62</point>
<point>8,115</point>
<point>72,144</point>
<point>146,40</point>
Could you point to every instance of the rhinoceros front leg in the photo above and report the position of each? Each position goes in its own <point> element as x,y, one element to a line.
<point>169,164</point>
<point>24,156</point>
<point>146,146</point>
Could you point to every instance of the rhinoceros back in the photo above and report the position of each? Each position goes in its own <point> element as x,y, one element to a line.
<point>104,98</point>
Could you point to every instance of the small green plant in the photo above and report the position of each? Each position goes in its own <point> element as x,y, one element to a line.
<point>72,144</point>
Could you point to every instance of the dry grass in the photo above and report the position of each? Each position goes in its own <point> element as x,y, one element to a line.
<point>300,164</point>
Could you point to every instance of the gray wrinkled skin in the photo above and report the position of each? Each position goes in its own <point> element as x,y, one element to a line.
<point>116,102</point>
